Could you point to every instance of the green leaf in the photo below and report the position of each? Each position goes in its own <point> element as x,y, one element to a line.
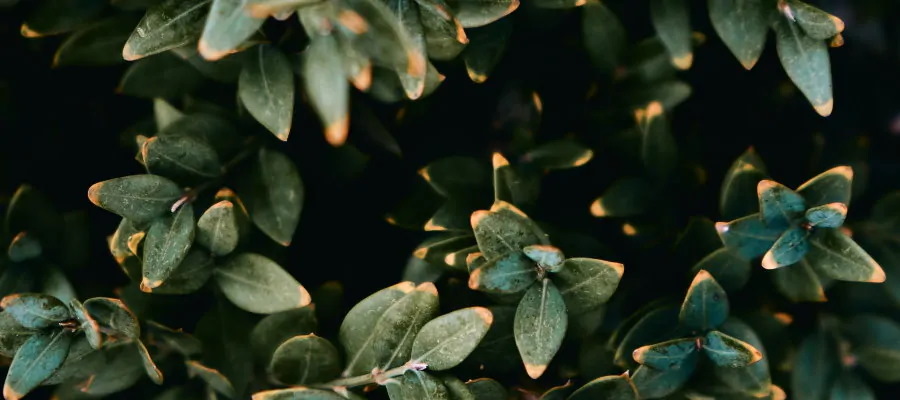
<point>705,306</point>
<point>874,341</point>
<point>266,88</point>
<point>177,340</point>
<point>227,27</point>
<point>305,359</point>
<point>728,268</point>
<point>276,328</point>
<point>150,367</point>
<point>559,392</point>
<point>165,26</point>
<point>671,354</point>
<point>672,23</point>
<point>559,154</point>
<point>613,387</point>
<point>59,16</point>
<point>475,13</point>
<point>87,323</point>
<point>190,275</point>
<point>603,35</point>
<point>164,75</point>
<point>38,358</point>
<point>273,193</point>
<point>31,211</point>
<point>850,387</point>
<point>510,184</point>
<point>548,257</point>
<point>626,197</point>
<point>259,285</point>
<point>816,23</point>
<point>805,60</point>
<point>653,326</point>
<point>417,385</point>
<point>182,158</point>
<point>12,334</point>
<point>816,365</point>
<point>114,316</point>
<point>753,379</point>
<point>778,205</point>
<point>34,310</point>
<point>837,256</point>
<point>212,377</point>
<point>499,342</point>
<point>586,283</point>
<point>326,86</point>
<point>446,341</point>
<point>55,283</point>
<point>799,282</point>
<point>457,389</point>
<point>558,4</point>
<point>81,361</point>
<point>118,247</point>
<point>658,149</point>
<point>140,198</point>
<point>455,176</point>
<point>790,248</point>
<point>378,332</point>
<point>214,130</point>
<point>122,368</point>
<point>829,215</point>
<point>165,114</point>
<point>225,332</point>
<point>504,229</point>
<point>511,273</point>
<point>217,228</point>
<point>486,389</point>
<point>742,25</point>
<point>446,250</point>
<point>540,326</point>
<point>749,236</point>
<point>298,393</point>
<point>726,351</point>
<point>166,245</point>
<point>486,46</point>
<point>444,34</point>
<point>24,247</point>
<point>738,195</point>
<point>832,186</point>
<point>97,44</point>
<point>653,384</point>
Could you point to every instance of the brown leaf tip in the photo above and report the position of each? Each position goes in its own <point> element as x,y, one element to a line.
<point>427,287</point>
<point>499,161</point>
<point>597,208</point>
<point>534,370</point>
<point>94,193</point>
<point>486,315</point>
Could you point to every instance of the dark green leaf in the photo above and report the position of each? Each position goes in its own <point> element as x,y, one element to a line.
<point>511,273</point>
<point>417,385</point>
<point>486,46</point>
<point>559,154</point>
<point>326,86</point>
<point>225,332</point>
<point>165,114</point>
<point>504,229</point>
<point>217,228</point>
<point>150,367</point>
<point>276,328</point>
<point>832,186</point>
<point>166,245</point>
<point>829,215</point>
<point>266,88</point>
<point>487,389</point>
<point>165,75</point>
<point>603,35</point>
<point>540,326</point>
<point>446,250</point>
<point>657,325</point>
<point>177,340</point>
<point>122,368</point>
<point>626,197</point>
<point>816,23</point>
<point>658,150</point>
<point>653,383</point>
<point>24,247</point>
<point>742,25</point>
<point>212,377</point>
<point>672,22</point>
<point>816,365</point>
<point>475,13</point>
<point>214,130</point>
<point>726,351</point>
<point>259,285</point>
<point>181,158</point>
<point>58,16</point>
<point>613,387</point>
<point>799,282</point>
<point>444,34</point>
<point>82,360</point>
<point>305,359</point>
<point>560,392</point>
<point>749,236</point>
<point>457,389</point>
<point>672,354</point>
<point>227,26</point>
<point>140,198</point>
<point>753,379</point>
<point>29,210</point>
<point>114,316</point>
<point>38,358</point>
<point>586,283</point>
<point>559,4</point>
<point>778,205</point>
<point>446,341</point>
<point>12,334</point>
<point>494,349</point>
<point>790,248</point>
<point>298,393</point>
<point>455,176</point>
<point>705,306</point>
<point>88,324</point>
<point>99,43</point>
<point>190,275</point>
<point>165,26</point>
<point>837,256</point>
<point>35,310</point>
<point>273,193</point>
<point>875,344</point>
<point>805,60</point>
<point>55,283</point>
<point>850,387</point>
<point>738,195</point>
<point>728,268</point>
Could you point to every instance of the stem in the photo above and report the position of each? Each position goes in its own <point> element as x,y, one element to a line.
<point>376,376</point>
<point>249,147</point>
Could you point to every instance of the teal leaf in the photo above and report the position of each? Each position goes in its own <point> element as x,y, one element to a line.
<point>705,306</point>
<point>114,317</point>
<point>99,43</point>
<point>24,247</point>
<point>417,385</point>
<point>779,206</point>
<point>485,49</point>
<point>613,387</point>
<point>166,245</point>
<point>475,13</point>
<point>34,310</point>
<point>816,23</point>
<point>182,158</point>
<point>626,197</point>
<point>749,236</point>
<point>276,328</point>
<point>298,393</point>
<point>511,273</point>
<point>603,35</point>
<point>850,387</point>
<point>540,326</point>
<point>305,359</point>
<point>673,26</point>
<point>875,341</point>
<point>816,365</point>
<point>212,377</point>
<point>165,26</point>
<point>486,389</point>
<point>799,282</point>
<point>790,248</point>
<point>12,334</point>
<point>266,88</point>
<point>654,326</point>
<point>446,341</point>
<point>742,25</point>
<point>140,198</point>
<point>38,358</point>
<point>753,379</point>
<point>55,283</point>
<point>548,257</point>
<point>806,62</point>
<point>837,256</point>
<point>671,354</point>
<point>227,26</point>
<point>259,285</point>
<point>504,229</point>
<point>217,228</point>
<point>653,383</point>
<point>832,186</point>
<point>728,268</point>
<point>726,351</point>
<point>586,283</point>
<point>59,16</point>
<point>326,86</point>
<point>738,195</point>
<point>190,275</point>
<point>829,215</point>
<point>273,193</point>
<point>87,323</point>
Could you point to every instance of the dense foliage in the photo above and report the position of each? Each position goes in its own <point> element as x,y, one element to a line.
<point>511,201</point>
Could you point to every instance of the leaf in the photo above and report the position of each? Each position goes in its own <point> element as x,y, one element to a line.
<point>799,282</point>
<point>850,387</point>
<point>298,393</point>
<point>259,285</point>
<point>603,36</point>
<point>276,328</point>
<point>444,34</point>
<point>305,359</point>
<point>38,358</point>
<point>227,27</point>
<point>816,365</point>
<point>658,149</point>
<point>586,283</point>
<point>728,268</point>
<point>34,310</point>
<point>445,250</point>
<point>511,273</point>
<point>874,343</point>
<point>672,23</point>
<point>455,176</point>
<point>190,275</point>
<point>181,158</point>
<point>225,332</point>
<point>118,247</point>
<point>165,26</point>
<point>790,248</point>
<point>326,86</point>
<point>837,256</point>
<point>626,197</point>
<point>213,130</point>
<point>547,257</point>
<point>613,387</point>
<point>273,193</point>
<point>217,228</point>
<point>266,88</point>
<point>150,367</point>
<point>671,354</point>
<point>486,46</point>
<point>653,326</point>
<point>540,326</point>
<point>417,385</point>
<point>99,43</point>
<point>12,334</point>
<point>212,377</point>
<point>457,389</point>
<point>559,154</point>
<point>504,229</point>
<point>166,245</point>
<point>81,361</point>
<point>653,384</point>
<point>122,368</point>
<point>446,341</point>
<point>829,215</point>
<point>114,317</point>
<point>742,25</point>
<point>816,23</point>
<point>498,343</point>
<point>805,60</point>
<point>378,332</point>
<point>59,16</point>
<point>754,379</point>
<point>486,389</point>
<point>165,114</point>
<point>726,351</point>
<point>742,178</point>
<point>87,323</point>
<point>24,247</point>
<point>749,236</point>
<point>177,340</point>
<point>512,185</point>
<point>140,198</point>
<point>164,75</point>
<point>832,186</point>
<point>475,13</point>
<point>559,392</point>
<point>705,306</point>
<point>778,205</point>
